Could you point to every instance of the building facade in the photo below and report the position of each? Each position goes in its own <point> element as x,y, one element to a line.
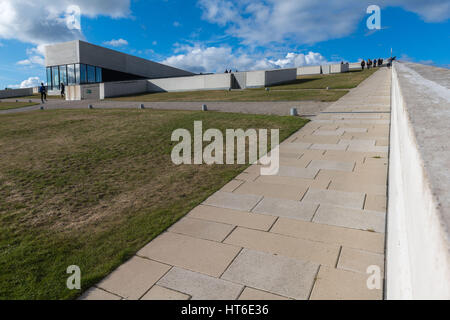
<point>78,62</point>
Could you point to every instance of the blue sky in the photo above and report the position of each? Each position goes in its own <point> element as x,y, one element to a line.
<point>211,35</point>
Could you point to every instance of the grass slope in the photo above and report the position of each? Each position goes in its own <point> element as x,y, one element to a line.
<point>347,80</point>
<point>91,187</point>
<point>15,105</point>
<point>239,95</point>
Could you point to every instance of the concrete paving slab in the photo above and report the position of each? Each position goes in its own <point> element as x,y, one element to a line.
<point>314,139</point>
<point>332,165</point>
<point>132,279</point>
<point>376,202</point>
<point>293,181</point>
<point>375,189</point>
<point>233,217</point>
<point>161,293</point>
<point>351,218</point>
<point>359,261</point>
<point>351,238</point>
<point>243,202</point>
<point>334,284</point>
<point>202,229</point>
<point>318,146</point>
<point>306,250</point>
<point>295,172</point>
<point>208,257</point>
<point>352,177</point>
<point>337,198</point>
<point>231,186</point>
<point>279,191</point>
<point>250,294</point>
<point>286,208</point>
<point>358,142</point>
<point>97,294</point>
<point>200,286</point>
<point>275,274</point>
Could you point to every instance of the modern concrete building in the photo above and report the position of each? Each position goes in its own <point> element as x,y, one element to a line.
<point>78,62</point>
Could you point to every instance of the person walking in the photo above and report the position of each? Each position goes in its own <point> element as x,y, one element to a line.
<point>63,90</point>
<point>43,92</point>
<point>374,63</point>
<point>363,64</point>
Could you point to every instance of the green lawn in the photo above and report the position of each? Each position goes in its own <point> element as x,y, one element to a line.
<point>38,96</point>
<point>347,80</point>
<point>239,95</point>
<point>91,187</point>
<point>15,105</point>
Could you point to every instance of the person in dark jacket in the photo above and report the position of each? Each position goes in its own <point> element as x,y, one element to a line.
<point>43,92</point>
<point>375,63</point>
<point>63,90</point>
<point>363,64</point>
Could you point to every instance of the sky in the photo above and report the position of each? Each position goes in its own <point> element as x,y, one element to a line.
<point>214,35</point>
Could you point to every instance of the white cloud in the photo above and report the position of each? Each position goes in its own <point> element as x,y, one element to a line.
<point>39,60</point>
<point>44,21</point>
<point>116,43</point>
<point>28,83</point>
<point>176,24</point>
<point>217,59</point>
<point>259,22</point>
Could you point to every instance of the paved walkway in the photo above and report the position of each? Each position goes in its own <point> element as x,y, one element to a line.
<point>310,232</point>
<point>282,108</point>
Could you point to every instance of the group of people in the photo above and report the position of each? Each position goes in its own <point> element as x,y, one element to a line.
<point>230,71</point>
<point>372,63</point>
<point>43,91</point>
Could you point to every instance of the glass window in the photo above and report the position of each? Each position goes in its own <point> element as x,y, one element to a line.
<point>77,74</point>
<point>49,78</point>
<point>71,74</point>
<point>83,74</point>
<point>63,74</point>
<point>98,75</point>
<point>91,74</point>
<point>55,78</point>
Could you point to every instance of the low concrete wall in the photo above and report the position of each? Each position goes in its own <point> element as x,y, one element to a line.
<point>200,82</point>
<point>15,93</point>
<point>326,69</point>
<point>122,88</point>
<point>339,68</point>
<point>311,70</point>
<point>418,237</point>
<point>279,76</point>
<point>256,79</point>
<point>83,92</point>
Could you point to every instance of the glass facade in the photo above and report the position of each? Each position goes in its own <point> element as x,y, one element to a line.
<point>63,75</point>
<point>91,74</point>
<point>98,75</point>
<point>73,74</point>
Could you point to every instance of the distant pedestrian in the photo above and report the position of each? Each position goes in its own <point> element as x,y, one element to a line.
<point>43,92</point>
<point>63,90</point>
<point>374,63</point>
<point>380,62</point>
<point>226,70</point>
<point>369,64</point>
<point>363,64</point>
